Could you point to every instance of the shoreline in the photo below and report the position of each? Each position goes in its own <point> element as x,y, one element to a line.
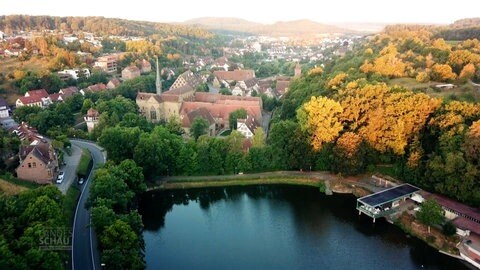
<point>337,186</point>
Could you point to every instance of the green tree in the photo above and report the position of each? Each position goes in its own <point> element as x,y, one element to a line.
<point>188,159</point>
<point>199,127</point>
<point>175,126</point>
<point>25,113</point>
<point>237,114</point>
<point>87,104</point>
<point>120,142</point>
<point>430,213</point>
<point>258,139</point>
<point>132,175</point>
<point>121,247</point>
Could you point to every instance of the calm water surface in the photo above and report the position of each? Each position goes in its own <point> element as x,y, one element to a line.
<point>274,227</point>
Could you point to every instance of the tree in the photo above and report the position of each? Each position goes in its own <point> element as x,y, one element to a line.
<point>199,127</point>
<point>258,139</point>
<point>320,119</point>
<point>442,73</point>
<point>237,114</point>
<point>132,175</point>
<point>87,104</point>
<point>175,126</point>
<point>449,228</point>
<point>121,247</point>
<point>349,154</point>
<point>120,142</point>
<point>430,213</point>
<point>25,113</point>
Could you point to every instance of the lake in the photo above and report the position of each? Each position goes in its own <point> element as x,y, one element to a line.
<point>274,227</point>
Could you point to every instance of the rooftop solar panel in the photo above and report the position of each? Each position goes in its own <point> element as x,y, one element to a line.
<point>388,195</point>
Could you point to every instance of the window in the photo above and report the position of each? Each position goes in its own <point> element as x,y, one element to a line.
<point>29,165</point>
<point>34,164</point>
<point>153,115</point>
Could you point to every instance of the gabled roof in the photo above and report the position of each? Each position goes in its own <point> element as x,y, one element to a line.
<point>188,118</point>
<point>30,99</point>
<point>282,86</point>
<point>69,91</point>
<point>40,151</point>
<point>132,69</point>
<point>97,87</point>
<point>191,78</point>
<point>115,82</point>
<point>56,97</point>
<point>235,75</point>
<point>250,122</point>
<point>179,91</point>
<point>147,96</point>
<point>38,92</point>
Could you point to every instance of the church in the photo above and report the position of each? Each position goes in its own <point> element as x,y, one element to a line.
<point>181,100</point>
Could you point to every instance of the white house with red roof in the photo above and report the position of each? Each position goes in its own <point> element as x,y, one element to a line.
<point>38,97</point>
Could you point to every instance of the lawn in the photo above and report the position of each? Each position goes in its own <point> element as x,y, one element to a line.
<point>85,163</point>
<point>15,181</point>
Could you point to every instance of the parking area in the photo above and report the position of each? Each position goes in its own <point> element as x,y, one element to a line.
<point>70,169</point>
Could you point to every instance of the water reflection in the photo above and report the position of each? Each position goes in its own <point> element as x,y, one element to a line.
<point>274,227</point>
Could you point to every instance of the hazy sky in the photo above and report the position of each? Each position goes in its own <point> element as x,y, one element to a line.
<point>265,11</point>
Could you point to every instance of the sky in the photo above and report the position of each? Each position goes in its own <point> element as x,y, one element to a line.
<point>263,11</point>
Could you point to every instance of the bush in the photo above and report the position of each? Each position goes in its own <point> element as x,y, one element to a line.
<point>431,239</point>
<point>449,229</point>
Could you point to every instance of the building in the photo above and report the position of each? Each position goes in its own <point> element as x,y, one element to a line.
<point>187,120</point>
<point>113,83</point>
<point>235,75</point>
<point>96,87</point>
<point>282,87</point>
<point>39,98</point>
<point>107,63</point>
<point>91,118</point>
<point>38,160</point>
<point>298,70</point>
<point>68,92</point>
<point>74,73</point>
<point>131,72</point>
<point>146,66</point>
<point>187,78</point>
<point>3,108</point>
<point>247,126</point>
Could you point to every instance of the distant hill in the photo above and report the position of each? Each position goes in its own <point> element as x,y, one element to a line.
<point>288,28</point>
<point>97,25</point>
<point>461,30</point>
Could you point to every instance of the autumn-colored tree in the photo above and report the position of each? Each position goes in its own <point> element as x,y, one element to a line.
<point>442,73</point>
<point>387,64</point>
<point>472,142</point>
<point>337,80</point>
<point>316,71</point>
<point>422,77</point>
<point>441,45</point>
<point>348,154</point>
<point>320,119</point>
<point>458,59</point>
<point>467,72</point>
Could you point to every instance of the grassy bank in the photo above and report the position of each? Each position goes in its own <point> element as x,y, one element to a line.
<point>9,188</point>
<point>8,177</point>
<point>70,202</point>
<point>200,183</point>
<point>85,163</point>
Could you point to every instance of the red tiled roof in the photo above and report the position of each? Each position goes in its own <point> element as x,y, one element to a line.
<point>97,87</point>
<point>69,91</point>
<point>179,91</point>
<point>282,86</point>
<point>467,224</point>
<point>41,151</point>
<point>55,97</point>
<point>147,96</point>
<point>473,213</point>
<point>220,111</point>
<point>200,112</point>
<point>38,92</point>
<point>92,112</point>
<point>30,99</point>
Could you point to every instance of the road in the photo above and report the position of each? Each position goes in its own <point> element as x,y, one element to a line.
<point>70,168</point>
<point>85,254</point>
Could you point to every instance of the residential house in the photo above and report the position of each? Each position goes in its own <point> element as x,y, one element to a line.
<point>146,66</point>
<point>221,62</point>
<point>38,162</point>
<point>37,98</point>
<point>247,126</point>
<point>113,83</point>
<point>3,108</point>
<point>91,119</point>
<point>131,72</point>
<point>96,87</point>
<point>188,118</point>
<point>68,92</point>
<point>282,86</point>
<point>75,73</point>
<point>107,63</point>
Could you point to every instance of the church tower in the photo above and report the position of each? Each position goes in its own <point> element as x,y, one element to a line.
<point>158,81</point>
<point>298,70</point>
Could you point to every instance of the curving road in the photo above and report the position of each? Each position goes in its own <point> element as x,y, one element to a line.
<point>85,254</point>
